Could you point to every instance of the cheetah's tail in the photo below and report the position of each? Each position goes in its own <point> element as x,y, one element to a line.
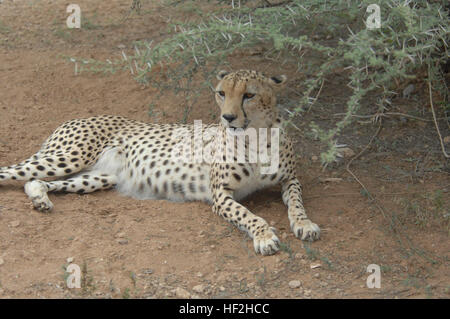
<point>20,172</point>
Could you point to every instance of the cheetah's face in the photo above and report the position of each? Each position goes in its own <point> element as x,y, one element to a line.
<point>247,99</point>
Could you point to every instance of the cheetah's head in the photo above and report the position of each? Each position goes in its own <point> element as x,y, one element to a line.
<point>247,98</point>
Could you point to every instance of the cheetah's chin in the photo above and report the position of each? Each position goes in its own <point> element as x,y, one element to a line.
<point>234,129</point>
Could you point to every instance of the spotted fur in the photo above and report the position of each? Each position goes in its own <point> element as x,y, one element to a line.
<point>103,152</point>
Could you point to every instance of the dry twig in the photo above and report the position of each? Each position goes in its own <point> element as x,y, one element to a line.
<point>434,116</point>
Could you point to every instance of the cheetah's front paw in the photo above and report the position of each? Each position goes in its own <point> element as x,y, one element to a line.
<point>305,230</point>
<point>37,192</point>
<point>266,242</point>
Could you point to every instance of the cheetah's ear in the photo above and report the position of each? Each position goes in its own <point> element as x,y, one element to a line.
<point>221,74</point>
<point>278,81</point>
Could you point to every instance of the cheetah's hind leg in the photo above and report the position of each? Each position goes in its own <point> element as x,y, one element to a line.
<point>84,183</point>
<point>36,167</point>
<point>42,166</point>
<point>37,192</point>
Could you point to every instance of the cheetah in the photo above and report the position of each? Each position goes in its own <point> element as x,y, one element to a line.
<point>105,152</point>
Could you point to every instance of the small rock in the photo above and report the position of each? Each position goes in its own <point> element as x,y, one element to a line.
<point>307,292</point>
<point>314,158</point>
<point>293,284</point>
<point>199,274</point>
<point>330,179</point>
<point>199,288</point>
<point>120,235</point>
<point>346,152</point>
<point>1,261</point>
<point>121,46</point>
<point>70,260</point>
<point>182,293</point>
<point>408,90</point>
<point>222,277</point>
<point>122,241</point>
<point>447,139</point>
<point>284,236</point>
<point>316,275</point>
<point>314,266</point>
<point>148,271</point>
<point>221,288</point>
<point>15,223</point>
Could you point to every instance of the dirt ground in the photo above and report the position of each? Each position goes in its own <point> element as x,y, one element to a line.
<point>128,248</point>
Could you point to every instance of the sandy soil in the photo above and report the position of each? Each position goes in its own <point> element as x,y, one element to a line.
<point>157,249</point>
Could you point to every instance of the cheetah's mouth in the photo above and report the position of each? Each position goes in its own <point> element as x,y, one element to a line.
<point>234,129</point>
<point>244,127</point>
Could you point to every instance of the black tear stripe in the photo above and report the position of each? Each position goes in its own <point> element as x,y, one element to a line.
<point>243,111</point>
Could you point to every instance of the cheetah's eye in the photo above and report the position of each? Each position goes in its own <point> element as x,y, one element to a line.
<point>221,93</point>
<point>248,96</point>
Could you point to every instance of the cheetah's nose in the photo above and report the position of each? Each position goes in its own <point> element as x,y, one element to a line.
<point>229,117</point>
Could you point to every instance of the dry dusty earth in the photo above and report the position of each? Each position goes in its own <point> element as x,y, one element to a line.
<point>156,249</point>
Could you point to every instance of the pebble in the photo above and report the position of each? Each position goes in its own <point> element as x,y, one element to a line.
<point>122,241</point>
<point>317,275</point>
<point>294,284</point>
<point>15,223</point>
<point>1,261</point>
<point>70,260</point>
<point>447,139</point>
<point>182,293</point>
<point>199,288</point>
<point>408,90</point>
<point>314,158</point>
<point>120,235</point>
<point>346,152</point>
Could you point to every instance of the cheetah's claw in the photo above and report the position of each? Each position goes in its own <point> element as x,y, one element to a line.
<point>37,192</point>
<point>306,230</point>
<point>266,242</point>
